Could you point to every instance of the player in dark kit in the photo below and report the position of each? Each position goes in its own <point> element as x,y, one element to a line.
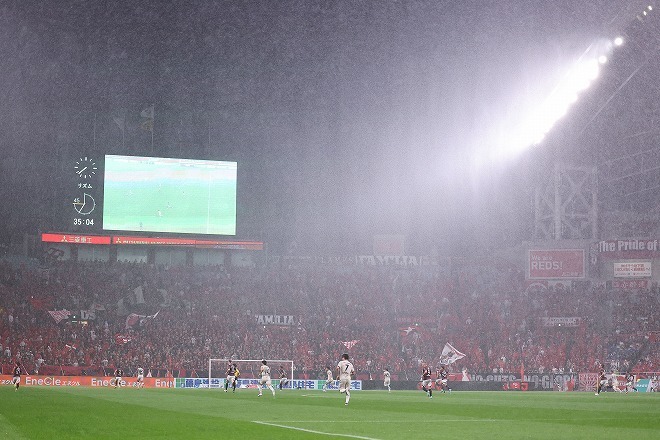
<point>601,381</point>
<point>231,376</point>
<point>16,377</point>
<point>119,373</point>
<point>283,377</point>
<point>630,382</point>
<point>442,380</point>
<point>426,380</point>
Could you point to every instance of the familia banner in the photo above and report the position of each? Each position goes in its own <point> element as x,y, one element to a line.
<point>561,321</point>
<point>361,260</point>
<point>276,320</point>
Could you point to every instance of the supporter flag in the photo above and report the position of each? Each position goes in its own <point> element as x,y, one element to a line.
<point>134,320</point>
<point>97,306</point>
<point>122,339</point>
<point>350,344</point>
<point>41,303</point>
<point>148,114</point>
<point>450,355</point>
<point>147,125</point>
<point>120,121</point>
<point>407,331</point>
<point>59,315</point>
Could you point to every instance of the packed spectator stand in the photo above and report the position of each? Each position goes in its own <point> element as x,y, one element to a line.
<point>390,316</point>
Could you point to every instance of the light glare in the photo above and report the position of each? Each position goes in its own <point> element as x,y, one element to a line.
<point>539,121</point>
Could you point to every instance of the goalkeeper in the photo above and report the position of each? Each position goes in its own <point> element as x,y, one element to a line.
<point>232,374</point>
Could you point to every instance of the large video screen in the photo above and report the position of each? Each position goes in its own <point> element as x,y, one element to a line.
<point>169,195</point>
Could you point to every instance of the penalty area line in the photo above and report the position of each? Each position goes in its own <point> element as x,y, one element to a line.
<point>312,431</point>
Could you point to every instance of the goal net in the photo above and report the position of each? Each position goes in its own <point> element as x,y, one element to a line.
<point>249,372</point>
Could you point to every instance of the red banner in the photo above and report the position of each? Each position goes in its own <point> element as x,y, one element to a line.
<point>86,381</point>
<point>629,249</point>
<point>164,241</point>
<point>75,239</point>
<point>153,241</point>
<point>217,244</point>
<point>630,284</point>
<point>552,264</point>
<point>565,321</point>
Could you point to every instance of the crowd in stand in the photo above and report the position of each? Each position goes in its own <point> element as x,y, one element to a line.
<point>389,316</point>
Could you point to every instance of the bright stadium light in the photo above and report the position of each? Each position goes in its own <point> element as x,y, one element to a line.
<point>541,120</point>
<point>650,8</point>
<point>505,142</point>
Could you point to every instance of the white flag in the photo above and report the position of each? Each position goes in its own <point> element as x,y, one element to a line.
<point>120,121</point>
<point>148,112</point>
<point>350,344</point>
<point>59,315</point>
<point>147,125</point>
<point>450,355</point>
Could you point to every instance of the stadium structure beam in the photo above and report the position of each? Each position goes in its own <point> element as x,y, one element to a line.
<point>566,207</point>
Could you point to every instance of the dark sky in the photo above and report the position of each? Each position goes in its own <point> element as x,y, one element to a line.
<point>347,118</point>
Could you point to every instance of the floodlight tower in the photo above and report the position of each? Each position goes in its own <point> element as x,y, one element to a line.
<point>566,202</point>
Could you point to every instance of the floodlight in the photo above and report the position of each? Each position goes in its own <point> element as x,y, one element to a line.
<point>618,41</point>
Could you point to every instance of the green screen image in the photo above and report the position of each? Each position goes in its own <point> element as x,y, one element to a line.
<point>169,195</point>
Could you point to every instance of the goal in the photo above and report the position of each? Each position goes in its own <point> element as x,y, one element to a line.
<point>249,369</point>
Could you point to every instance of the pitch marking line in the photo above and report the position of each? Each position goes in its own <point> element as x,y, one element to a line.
<point>312,431</point>
<point>389,421</point>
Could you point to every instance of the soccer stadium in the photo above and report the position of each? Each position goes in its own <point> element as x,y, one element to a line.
<point>325,219</point>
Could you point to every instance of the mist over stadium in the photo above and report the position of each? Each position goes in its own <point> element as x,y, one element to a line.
<point>473,185</point>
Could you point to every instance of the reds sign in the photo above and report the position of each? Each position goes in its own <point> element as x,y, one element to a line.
<point>553,264</point>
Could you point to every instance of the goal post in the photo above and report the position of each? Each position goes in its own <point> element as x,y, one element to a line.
<point>249,369</point>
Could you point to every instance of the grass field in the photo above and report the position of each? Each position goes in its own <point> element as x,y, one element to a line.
<point>171,207</point>
<point>106,413</point>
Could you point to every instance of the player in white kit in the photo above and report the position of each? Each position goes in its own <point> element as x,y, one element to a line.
<point>265,378</point>
<point>140,377</point>
<point>386,379</point>
<point>329,379</point>
<point>345,368</point>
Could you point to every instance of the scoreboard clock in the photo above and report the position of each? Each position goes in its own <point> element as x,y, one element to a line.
<point>84,194</point>
<point>85,168</point>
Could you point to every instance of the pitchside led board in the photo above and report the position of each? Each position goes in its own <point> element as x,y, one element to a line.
<point>153,194</point>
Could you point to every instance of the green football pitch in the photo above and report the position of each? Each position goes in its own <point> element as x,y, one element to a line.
<point>106,413</point>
